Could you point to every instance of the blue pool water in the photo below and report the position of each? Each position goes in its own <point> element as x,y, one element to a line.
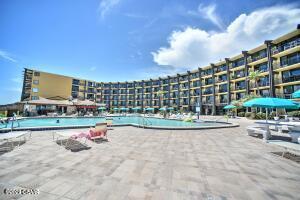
<point>49,122</point>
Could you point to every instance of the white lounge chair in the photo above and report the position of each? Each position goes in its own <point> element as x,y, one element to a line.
<point>259,130</point>
<point>12,136</point>
<point>294,132</point>
<point>69,135</point>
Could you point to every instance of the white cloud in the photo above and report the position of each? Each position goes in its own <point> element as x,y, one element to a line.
<point>194,47</point>
<point>209,12</point>
<point>105,6</point>
<point>5,55</point>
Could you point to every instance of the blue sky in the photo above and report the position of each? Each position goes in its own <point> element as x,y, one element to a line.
<point>117,40</point>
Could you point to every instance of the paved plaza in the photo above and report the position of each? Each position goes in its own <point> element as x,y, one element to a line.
<point>153,164</point>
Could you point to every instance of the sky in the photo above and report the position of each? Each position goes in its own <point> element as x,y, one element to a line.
<point>124,40</point>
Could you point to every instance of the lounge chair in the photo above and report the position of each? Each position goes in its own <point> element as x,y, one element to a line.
<point>12,136</point>
<point>71,136</point>
<point>109,122</point>
<point>99,132</point>
<point>259,130</point>
<point>294,132</point>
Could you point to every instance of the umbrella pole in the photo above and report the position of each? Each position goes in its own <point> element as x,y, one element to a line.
<point>266,115</point>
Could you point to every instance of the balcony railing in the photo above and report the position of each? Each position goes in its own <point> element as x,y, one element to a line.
<point>290,61</point>
<point>290,79</point>
<point>240,87</point>
<point>286,46</point>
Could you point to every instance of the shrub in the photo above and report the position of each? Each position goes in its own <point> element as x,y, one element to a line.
<point>249,115</point>
<point>260,115</point>
<point>294,113</point>
<point>241,114</point>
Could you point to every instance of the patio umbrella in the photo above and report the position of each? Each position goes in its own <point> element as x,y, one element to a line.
<point>136,108</point>
<point>229,107</point>
<point>101,108</point>
<point>296,94</point>
<point>162,109</point>
<point>124,109</point>
<point>116,108</point>
<point>170,108</point>
<point>271,103</point>
<point>149,109</point>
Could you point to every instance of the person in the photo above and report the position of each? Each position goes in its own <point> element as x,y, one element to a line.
<point>57,121</point>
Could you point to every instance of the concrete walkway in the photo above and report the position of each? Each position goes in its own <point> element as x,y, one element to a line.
<point>153,164</point>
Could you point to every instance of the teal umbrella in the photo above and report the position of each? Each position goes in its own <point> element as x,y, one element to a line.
<point>162,109</point>
<point>229,107</point>
<point>170,108</point>
<point>296,94</point>
<point>101,108</point>
<point>271,103</point>
<point>149,109</point>
<point>116,108</point>
<point>136,108</point>
<point>124,109</point>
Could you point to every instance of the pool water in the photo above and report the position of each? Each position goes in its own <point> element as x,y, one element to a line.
<point>50,122</point>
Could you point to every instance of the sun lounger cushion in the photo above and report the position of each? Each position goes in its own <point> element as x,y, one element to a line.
<point>97,133</point>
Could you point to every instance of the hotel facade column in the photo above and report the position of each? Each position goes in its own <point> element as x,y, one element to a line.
<point>169,91</point>
<point>109,97</point>
<point>134,95</point>
<point>159,88</point>
<point>245,54</point>
<point>200,90</point>
<point>151,92</point>
<point>84,90</point>
<point>270,68</point>
<point>228,81</point>
<point>142,100</point>
<point>118,94</point>
<point>126,96</point>
<point>189,92</point>
<point>213,111</point>
<point>178,92</point>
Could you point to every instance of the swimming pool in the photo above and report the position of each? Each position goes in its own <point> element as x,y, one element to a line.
<point>77,122</point>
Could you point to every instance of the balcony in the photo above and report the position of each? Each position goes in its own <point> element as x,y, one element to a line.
<point>258,57</point>
<point>290,61</point>
<point>222,90</point>
<point>263,83</point>
<point>291,79</point>
<point>207,92</point>
<point>238,87</point>
<point>220,69</point>
<point>286,46</point>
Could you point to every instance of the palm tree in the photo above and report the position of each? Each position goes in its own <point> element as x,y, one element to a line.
<point>254,76</point>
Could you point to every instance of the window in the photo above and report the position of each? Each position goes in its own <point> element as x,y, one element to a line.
<point>35,90</point>
<point>36,73</point>
<point>34,98</point>
<point>35,82</point>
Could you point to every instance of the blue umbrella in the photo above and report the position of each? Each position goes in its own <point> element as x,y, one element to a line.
<point>149,109</point>
<point>136,108</point>
<point>296,94</point>
<point>229,107</point>
<point>124,109</point>
<point>162,109</point>
<point>271,103</point>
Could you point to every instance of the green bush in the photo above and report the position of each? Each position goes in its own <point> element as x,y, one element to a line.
<point>249,115</point>
<point>294,113</point>
<point>260,115</point>
<point>241,114</point>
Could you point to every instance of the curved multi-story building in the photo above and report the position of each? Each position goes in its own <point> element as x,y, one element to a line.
<point>211,87</point>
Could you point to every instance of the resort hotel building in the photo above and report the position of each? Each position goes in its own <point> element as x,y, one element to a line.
<point>210,87</point>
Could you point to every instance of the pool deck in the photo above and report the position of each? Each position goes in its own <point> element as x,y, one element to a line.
<point>153,164</point>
